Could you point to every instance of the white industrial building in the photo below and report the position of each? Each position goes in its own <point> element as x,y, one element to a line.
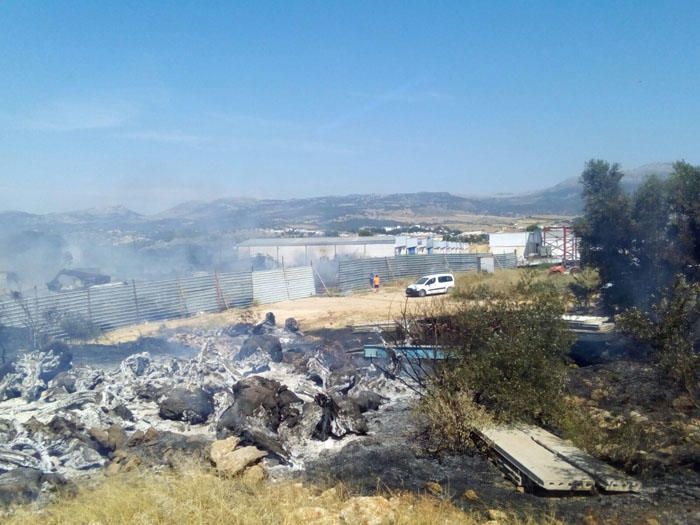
<point>407,245</point>
<point>304,250</point>
<point>523,243</point>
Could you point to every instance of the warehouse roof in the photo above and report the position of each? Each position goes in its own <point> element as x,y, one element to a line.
<point>316,241</point>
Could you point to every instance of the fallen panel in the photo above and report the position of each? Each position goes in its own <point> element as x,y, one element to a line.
<point>409,352</point>
<point>606,477</point>
<point>536,463</point>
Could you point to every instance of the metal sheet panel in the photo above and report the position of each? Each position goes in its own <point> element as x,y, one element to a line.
<point>282,284</point>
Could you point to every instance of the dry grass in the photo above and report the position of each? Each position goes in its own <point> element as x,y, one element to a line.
<point>504,283</point>
<point>193,495</point>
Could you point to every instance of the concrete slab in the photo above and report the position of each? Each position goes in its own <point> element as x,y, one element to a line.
<point>606,477</point>
<point>541,466</point>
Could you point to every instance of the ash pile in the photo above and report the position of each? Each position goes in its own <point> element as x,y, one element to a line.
<point>258,393</point>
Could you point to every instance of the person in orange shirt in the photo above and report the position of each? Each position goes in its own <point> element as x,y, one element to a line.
<point>376,282</point>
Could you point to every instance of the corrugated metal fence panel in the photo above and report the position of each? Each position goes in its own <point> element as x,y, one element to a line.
<point>269,286</point>
<point>300,282</point>
<point>237,289</point>
<point>122,304</point>
<point>505,260</point>
<point>279,285</point>
<point>354,274</point>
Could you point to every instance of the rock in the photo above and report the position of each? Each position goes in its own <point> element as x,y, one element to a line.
<point>497,515</point>
<point>265,440</point>
<point>139,437</point>
<point>311,515</point>
<point>222,447</point>
<point>116,437</point>
<point>191,406</point>
<point>255,474</point>
<point>136,364</point>
<point>434,488</point>
<point>122,462</point>
<point>367,510</point>
<point>329,494</point>
<point>291,325</point>
<point>367,400</point>
<point>167,448</point>
<point>20,485</point>
<point>470,495</point>
<point>123,412</point>
<point>268,345</point>
<point>235,462</point>
<point>683,403</point>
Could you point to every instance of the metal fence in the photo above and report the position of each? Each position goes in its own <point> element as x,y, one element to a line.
<point>126,303</point>
<point>279,285</point>
<point>354,274</point>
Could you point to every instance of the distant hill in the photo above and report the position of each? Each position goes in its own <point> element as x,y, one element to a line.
<point>200,236</point>
<point>334,212</point>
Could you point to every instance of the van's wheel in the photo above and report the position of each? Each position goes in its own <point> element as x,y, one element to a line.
<point>421,293</point>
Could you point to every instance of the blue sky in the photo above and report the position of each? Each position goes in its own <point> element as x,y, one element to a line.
<point>148,104</point>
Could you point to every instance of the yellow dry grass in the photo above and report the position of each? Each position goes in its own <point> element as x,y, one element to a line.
<point>195,495</point>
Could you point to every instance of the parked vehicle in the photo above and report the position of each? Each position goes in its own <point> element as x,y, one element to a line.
<point>431,284</point>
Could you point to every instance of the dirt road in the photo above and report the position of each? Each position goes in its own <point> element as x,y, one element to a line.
<point>312,313</point>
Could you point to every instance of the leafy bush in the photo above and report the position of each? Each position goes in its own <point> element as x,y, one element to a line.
<point>507,357</point>
<point>584,287</point>
<point>670,330</point>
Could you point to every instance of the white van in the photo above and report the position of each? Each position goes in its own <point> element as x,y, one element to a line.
<point>431,284</point>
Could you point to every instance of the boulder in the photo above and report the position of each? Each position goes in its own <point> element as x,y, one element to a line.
<point>269,345</point>
<point>236,461</point>
<point>221,447</point>
<point>191,406</point>
<point>167,448</point>
<point>367,400</point>
<point>255,474</point>
<point>291,325</point>
<point>368,510</point>
<point>20,485</point>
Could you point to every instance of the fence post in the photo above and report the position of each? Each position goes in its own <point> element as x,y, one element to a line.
<point>136,301</point>
<point>89,304</point>
<point>284,277</point>
<point>181,299</point>
<point>319,278</point>
<point>220,301</point>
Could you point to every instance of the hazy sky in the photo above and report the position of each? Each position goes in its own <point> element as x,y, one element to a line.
<point>148,104</point>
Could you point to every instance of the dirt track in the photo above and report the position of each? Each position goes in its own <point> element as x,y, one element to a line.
<point>312,313</point>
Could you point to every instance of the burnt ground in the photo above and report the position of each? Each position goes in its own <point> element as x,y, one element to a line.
<point>391,458</point>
